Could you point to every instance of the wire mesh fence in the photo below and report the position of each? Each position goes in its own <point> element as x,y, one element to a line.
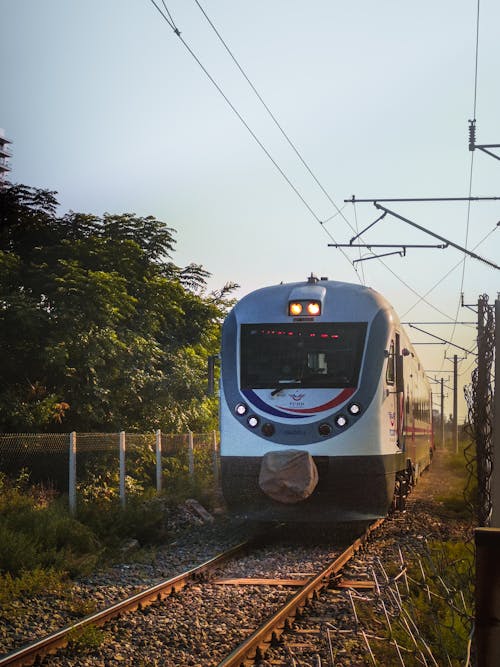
<point>103,465</point>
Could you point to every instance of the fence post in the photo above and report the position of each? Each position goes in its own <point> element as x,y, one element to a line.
<point>122,468</point>
<point>215,459</point>
<point>191,454</point>
<point>72,473</point>
<point>158,461</point>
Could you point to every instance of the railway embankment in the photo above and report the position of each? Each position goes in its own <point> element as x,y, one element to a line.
<point>404,598</point>
<point>407,597</point>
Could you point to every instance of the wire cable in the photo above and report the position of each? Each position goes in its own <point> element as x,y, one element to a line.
<point>471,174</point>
<point>271,114</point>
<point>453,268</point>
<point>172,25</point>
<point>168,18</point>
<point>294,148</point>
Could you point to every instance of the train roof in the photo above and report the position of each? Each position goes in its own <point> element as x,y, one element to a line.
<point>341,300</point>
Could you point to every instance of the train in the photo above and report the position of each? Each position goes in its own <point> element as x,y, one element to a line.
<point>325,408</point>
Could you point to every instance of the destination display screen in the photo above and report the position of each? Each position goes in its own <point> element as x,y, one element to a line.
<point>307,355</point>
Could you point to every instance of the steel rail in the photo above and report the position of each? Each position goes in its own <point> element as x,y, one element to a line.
<point>245,654</point>
<point>29,653</point>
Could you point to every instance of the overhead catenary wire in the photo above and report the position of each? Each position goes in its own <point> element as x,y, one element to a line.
<point>271,114</point>
<point>176,30</point>
<point>453,268</point>
<point>471,168</point>
<point>172,24</point>
<point>294,148</point>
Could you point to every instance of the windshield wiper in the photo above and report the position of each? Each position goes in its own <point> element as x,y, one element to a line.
<point>288,383</point>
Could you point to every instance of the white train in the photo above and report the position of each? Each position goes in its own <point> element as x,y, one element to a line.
<point>326,412</point>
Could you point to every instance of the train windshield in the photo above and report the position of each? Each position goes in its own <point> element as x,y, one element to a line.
<point>274,356</point>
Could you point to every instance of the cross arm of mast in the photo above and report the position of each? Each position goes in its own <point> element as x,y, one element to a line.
<point>443,340</point>
<point>436,236</point>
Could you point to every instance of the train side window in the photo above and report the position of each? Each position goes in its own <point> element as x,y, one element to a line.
<point>390,373</point>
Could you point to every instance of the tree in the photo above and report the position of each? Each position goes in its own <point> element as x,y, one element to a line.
<point>99,329</point>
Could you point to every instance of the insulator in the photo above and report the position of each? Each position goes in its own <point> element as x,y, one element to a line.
<point>472,134</point>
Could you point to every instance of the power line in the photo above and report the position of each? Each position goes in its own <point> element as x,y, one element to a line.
<point>172,25</point>
<point>168,18</point>
<point>453,268</point>
<point>471,171</point>
<point>266,107</point>
<point>431,233</point>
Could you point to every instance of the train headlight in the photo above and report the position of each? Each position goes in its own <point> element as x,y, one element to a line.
<point>325,429</point>
<point>341,421</point>
<point>314,308</point>
<point>354,409</point>
<point>268,429</point>
<point>253,421</point>
<point>241,409</point>
<point>294,308</point>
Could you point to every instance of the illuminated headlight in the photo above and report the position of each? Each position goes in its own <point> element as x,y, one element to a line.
<point>354,409</point>
<point>253,421</point>
<point>341,421</point>
<point>324,429</point>
<point>241,409</point>
<point>314,308</point>
<point>294,308</point>
<point>267,429</point>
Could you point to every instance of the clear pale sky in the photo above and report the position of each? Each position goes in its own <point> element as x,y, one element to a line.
<point>104,104</point>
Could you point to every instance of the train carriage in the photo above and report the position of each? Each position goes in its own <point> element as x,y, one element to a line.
<point>325,408</point>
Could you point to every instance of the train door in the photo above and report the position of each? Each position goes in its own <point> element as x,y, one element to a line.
<point>399,393</point>
<point>392,394</point>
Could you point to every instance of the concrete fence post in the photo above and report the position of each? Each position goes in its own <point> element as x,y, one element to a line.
<point>158,461</point>
<point>122,446</point>
<point>72,473</point>
<point>215,459</point>
<point>191,454</point>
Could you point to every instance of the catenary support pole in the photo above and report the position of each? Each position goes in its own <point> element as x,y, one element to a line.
<point>455,403</point>
<point>495,474</point>
<point>443,443</point>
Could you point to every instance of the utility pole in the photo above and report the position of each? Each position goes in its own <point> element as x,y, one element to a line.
<point>483,451</point>
<point>455,403</point>
<point>442,414</point>
<point>495,473</point>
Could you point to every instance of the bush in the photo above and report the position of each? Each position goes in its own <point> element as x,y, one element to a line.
<point>35,533</point>
<point>142,519</point>
<point>18,551</point>
<point>30,583</point>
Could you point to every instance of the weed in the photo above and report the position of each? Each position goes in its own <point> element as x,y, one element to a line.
<point>32,582</point>
<point>87,638</point>
<point>79,606</point>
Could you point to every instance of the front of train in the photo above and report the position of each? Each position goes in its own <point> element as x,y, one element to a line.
<point>303,432</point>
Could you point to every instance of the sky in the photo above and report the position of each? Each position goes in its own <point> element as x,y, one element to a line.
<point>105,104</point>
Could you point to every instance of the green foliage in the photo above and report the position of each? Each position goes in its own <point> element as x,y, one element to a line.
<point>34,534</point>
<point>435,613</point>
<point>141,519</point>
<point>31,582</point>
<point>89,637</point>
<point>99,330</point>
<point>446,616</point>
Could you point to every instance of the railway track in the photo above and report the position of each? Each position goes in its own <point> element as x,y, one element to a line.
<point>274,612</point>
<point>33,652</point>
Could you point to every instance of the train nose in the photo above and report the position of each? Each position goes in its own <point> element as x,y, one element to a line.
<point>288,476</point>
